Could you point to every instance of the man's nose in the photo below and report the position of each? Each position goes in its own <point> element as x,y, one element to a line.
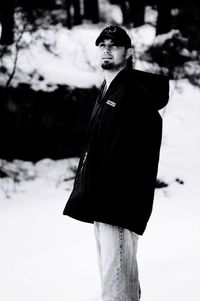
<point>107,48</point>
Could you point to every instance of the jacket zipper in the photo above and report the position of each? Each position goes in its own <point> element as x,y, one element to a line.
<point>96,118</point>
<point>83,162</point>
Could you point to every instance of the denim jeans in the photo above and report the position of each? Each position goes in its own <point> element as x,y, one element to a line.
<point>116,254</point>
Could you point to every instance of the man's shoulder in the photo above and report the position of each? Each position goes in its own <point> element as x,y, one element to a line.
<point>146,75</point>
<point>152,85</point>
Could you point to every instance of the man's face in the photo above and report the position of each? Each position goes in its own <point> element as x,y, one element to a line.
<point>111,56</point>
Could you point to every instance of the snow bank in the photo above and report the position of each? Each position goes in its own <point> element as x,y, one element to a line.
<point>47,256</point>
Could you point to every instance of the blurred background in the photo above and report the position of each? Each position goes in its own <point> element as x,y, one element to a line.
<point>49,79</point>
<point>48,72</point>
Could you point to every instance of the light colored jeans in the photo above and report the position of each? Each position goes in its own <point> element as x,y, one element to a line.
<point>116,250</point>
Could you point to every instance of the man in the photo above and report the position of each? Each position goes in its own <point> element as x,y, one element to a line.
<point>116,177</point>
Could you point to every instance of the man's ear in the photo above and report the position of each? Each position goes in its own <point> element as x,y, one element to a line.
<point>129,53</point>
<point>130,56</point>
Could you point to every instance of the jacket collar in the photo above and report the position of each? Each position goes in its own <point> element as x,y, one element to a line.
<point>120,78</point>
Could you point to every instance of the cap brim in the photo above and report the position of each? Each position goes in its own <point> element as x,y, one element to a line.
<point>102,37</point>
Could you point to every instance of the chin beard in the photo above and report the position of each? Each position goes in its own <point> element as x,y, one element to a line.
<point>107,65</point>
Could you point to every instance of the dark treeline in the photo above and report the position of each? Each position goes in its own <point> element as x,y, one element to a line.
<point>76,12</point>
<point>39,124</point>
<point>183,15</point>
<point>36,124</point>
<point>179,14</point>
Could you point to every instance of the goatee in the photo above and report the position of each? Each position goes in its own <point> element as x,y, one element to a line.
<point>107,65</point>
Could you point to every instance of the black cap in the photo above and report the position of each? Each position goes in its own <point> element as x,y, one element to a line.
<point>117,34</point>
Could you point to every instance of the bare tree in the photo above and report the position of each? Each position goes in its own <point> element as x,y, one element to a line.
<point>73,12</point>
<point>7,22</point>
<point>137,12</point>
<point>164,21</point>
<point>91,10</point>
<point>132,10</point>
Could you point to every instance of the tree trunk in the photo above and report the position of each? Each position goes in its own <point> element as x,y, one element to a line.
<point>73,12</point>
<point>91,10</point>
<point>7,22</point>
<point>137,12</point>
<point>133,11</point>
<point>164,20</point>
<point>125,12</point>
<point>77,12</point>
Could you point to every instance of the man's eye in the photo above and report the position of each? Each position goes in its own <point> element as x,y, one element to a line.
<point>112,46</point>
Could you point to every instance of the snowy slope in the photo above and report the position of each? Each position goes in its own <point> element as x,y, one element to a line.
<point>47,256</point>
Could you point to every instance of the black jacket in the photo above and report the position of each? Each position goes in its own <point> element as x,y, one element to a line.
<point>117,171</point>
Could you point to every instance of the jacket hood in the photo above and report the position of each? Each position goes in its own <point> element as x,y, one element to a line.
<point>156,86</point>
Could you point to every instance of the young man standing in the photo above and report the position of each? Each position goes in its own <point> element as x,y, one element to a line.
<point>116,177</point>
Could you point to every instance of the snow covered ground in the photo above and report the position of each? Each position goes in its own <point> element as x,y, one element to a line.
<point>56,55</point>
<point>46,256</point>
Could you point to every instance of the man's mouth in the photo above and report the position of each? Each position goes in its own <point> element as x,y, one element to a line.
<point>106,57</point>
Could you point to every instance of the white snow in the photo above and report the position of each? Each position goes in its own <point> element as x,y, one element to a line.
<point>56,55</point>
<point>46,256</point>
